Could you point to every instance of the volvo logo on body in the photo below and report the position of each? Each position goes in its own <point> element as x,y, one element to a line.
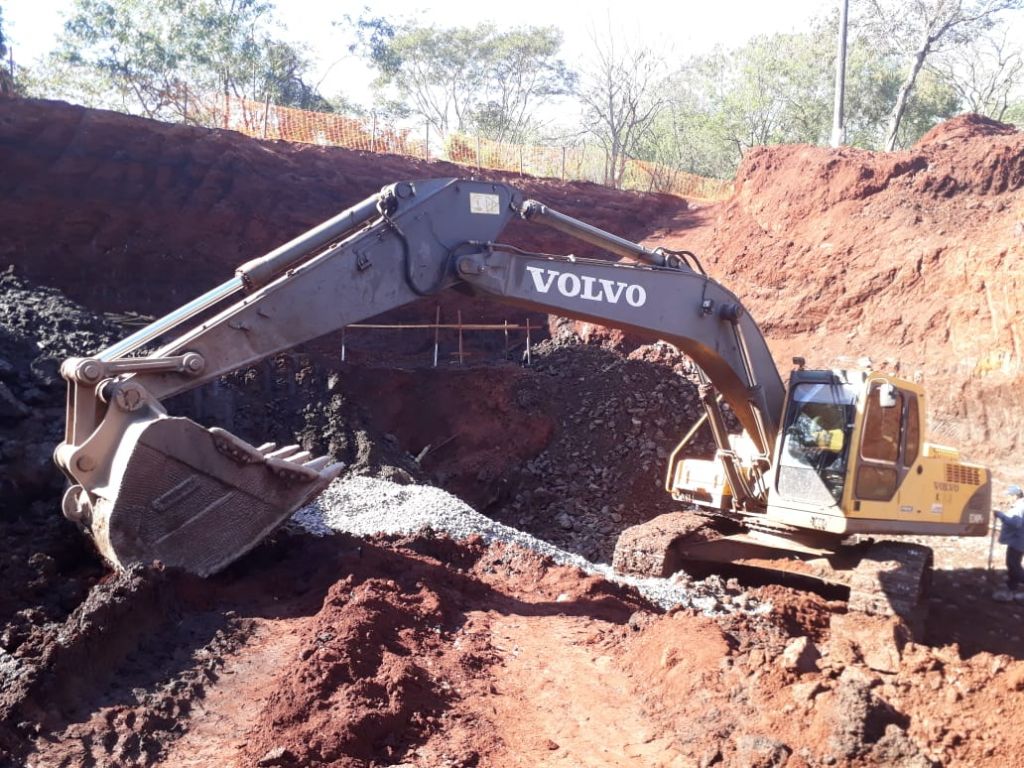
<point>586,287</point>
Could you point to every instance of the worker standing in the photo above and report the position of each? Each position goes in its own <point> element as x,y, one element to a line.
<point>1012,535</point>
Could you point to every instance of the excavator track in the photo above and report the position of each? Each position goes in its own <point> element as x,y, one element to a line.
<point>886,578</point>
<point>891,580</point>
<point>651,548</point>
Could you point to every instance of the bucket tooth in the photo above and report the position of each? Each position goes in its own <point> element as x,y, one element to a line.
<point>197,498</point>
<point>282,453</point>
<point>291,472</point>
<point>333,470</point>
<point>318,463</point>
<point>267,447</point>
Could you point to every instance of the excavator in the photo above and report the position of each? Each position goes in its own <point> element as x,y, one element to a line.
<point>804,473</point>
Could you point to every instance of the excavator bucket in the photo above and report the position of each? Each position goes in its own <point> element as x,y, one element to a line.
<point>193,497</point>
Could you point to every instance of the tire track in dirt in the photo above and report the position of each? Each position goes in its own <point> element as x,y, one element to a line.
<point>552,673</point>
<point>231,707</point>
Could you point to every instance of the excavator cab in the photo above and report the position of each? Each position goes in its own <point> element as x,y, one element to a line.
<point>850,457</point>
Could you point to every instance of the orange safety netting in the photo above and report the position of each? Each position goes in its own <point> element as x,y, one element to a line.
<point>572,163</point>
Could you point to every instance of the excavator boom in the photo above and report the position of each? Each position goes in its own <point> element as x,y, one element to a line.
<point>149,486</point>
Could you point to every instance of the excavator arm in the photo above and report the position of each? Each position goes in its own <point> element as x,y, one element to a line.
<point>150,486</point>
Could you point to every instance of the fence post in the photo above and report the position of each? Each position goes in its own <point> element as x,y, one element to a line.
<point>437,331</point>
<point>373,132</point>
<point>563,163</point>
<point>520,159</point>
<point>478,151</point>
<point>461,353</point>
<point>426,144</point>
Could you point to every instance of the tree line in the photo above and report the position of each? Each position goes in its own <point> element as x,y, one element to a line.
<point>910,64</point>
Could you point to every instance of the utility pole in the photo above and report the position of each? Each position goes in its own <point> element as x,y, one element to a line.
<point>838,124</point>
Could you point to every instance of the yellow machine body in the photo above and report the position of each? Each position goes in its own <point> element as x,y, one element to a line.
<point>850,458</point>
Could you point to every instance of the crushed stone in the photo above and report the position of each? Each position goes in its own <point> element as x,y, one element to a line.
<point>363,506</point>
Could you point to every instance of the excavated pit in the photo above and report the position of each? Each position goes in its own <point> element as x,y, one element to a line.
<point>414,648</point>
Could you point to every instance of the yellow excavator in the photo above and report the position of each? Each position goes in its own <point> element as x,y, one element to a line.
<point>831,455</point>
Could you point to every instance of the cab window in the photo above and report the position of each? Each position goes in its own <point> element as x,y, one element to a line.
<point>882,428</point>
<point>878,474</point>
<point>913,432</point>
<point>816,444</point>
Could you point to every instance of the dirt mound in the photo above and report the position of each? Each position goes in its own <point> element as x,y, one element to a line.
<point>968,126</point>
<point>574,470</point>
<point>48,566</point>
<point>966,155</point>
<point>422,651</point>
<point>39,328</point>
<point>910,258</point>
<point>353,651</point>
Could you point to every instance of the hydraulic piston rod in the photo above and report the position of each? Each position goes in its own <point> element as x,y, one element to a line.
<point>167,322</point>
<point>533,210</point>
<point>259,272</point>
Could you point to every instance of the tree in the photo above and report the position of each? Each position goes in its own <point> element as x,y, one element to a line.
<point>919,29</point>
<point>158,57</point>
<point>985,76</point>
<point>778,89</point>
<point>436,70</point>
<point>523,71</point>
<point>773,89</point>
<point>464,78</point>
<point>6,78</point>
<point>620,93</point>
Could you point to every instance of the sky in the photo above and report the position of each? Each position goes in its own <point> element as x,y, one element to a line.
<point>678,29</point>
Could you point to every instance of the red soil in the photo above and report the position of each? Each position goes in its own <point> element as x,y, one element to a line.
<point>351,653</point>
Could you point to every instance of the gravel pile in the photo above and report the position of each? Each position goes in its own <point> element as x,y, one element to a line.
<point>363,506</point>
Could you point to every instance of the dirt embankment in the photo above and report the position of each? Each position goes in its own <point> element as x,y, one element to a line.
<point>159,213</point>
<point>911,258</point>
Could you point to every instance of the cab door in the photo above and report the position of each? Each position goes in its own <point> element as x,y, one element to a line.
<point>889,444</point>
